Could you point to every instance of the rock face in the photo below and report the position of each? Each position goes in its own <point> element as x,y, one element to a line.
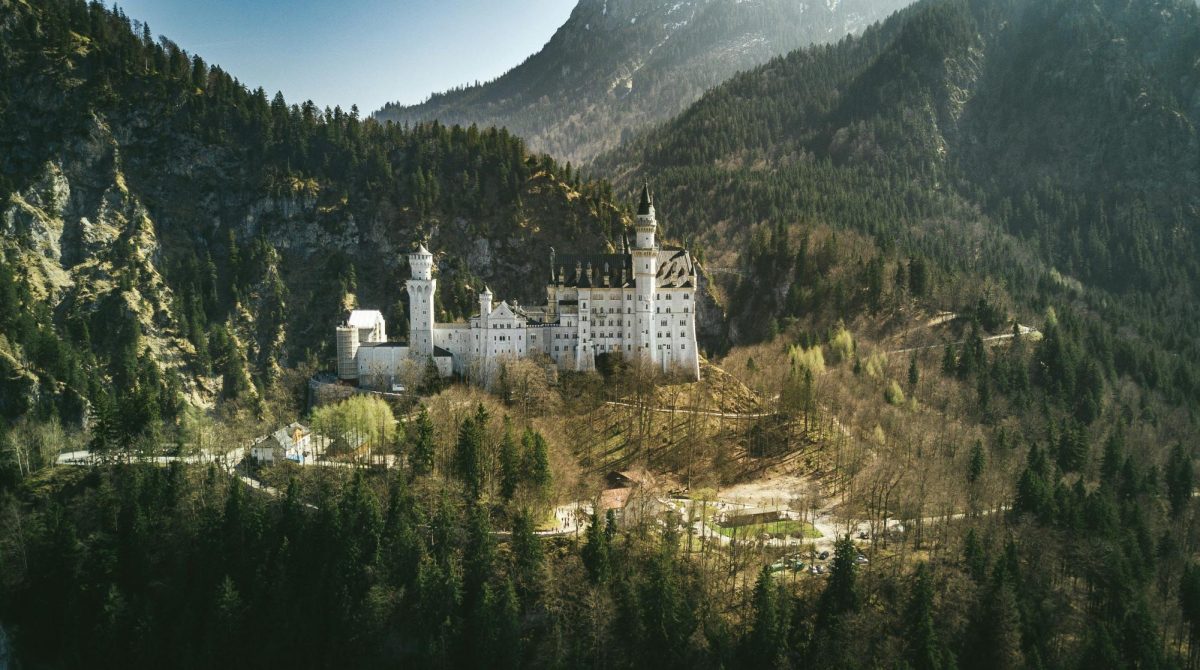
<point>79,234</point>
<point>617,66</point>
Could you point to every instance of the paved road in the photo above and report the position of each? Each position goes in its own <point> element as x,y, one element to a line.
<point>1026,331</point>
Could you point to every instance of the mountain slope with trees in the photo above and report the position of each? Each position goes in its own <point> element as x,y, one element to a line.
<point>1022,152</point>
<point>617,66</point>
<point>164,226</point>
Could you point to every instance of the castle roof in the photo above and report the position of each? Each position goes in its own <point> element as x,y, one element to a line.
<point>676,269</point>
<point>506,311</point>
<point>593,270</point>
<point>422,250</point>
<point>647,202</point>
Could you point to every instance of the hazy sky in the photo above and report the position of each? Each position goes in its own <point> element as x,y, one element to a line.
<point>364,52</point>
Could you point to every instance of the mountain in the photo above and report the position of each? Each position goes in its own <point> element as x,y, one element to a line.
<point>619,65</point>
<point>1034,152</point>
<point>166,229</point>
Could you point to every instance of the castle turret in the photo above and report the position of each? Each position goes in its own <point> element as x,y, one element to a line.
<point>646,224</point>
<point>645,269</point>
<point>485,304</point>
<point>422,288</point>
<point>347,352</point>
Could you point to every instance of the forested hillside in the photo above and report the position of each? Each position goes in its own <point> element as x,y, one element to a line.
<point>153,203</point>
<point>617,66</point>
<point>1029,152</point>
<point>952,422</point>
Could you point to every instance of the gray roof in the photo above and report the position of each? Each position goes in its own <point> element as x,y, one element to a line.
<point>646,202</point>
<point>676,269</point>
<point>283,436</point>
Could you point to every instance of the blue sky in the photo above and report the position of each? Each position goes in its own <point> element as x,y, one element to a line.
<point>364,52</point>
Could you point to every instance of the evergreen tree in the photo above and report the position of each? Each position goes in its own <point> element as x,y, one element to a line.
<point>766,644</point>
<point>527,556</point>
<point>830,640</point>
<point>923,648</point>
<point>421,449</point>
<point>510,463</point>
<point>977,462</point>
<point>468,456</point>
<point>994,642</point>
<point>595,552</point>
<point>1180,478</point>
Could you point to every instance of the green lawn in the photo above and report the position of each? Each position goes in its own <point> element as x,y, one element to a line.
<point>793,528</point>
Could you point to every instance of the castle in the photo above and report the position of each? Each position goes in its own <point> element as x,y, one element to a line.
<point>637,304</point>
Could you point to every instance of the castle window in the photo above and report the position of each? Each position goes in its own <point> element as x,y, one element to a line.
<point>682,347</point>
<point>668,309</point>
<point>685,310</point>
<point>686,296</point>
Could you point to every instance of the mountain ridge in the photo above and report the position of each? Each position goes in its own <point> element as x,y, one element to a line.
<point>619,65</point>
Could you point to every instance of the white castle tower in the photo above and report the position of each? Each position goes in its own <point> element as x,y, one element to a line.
<point>485,306</point>
<point>422,288</point>
<point>645,268</point>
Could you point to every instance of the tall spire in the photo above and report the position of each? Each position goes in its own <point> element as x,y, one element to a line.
<point>647,202</point>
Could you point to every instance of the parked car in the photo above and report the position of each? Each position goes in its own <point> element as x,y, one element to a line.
<point>824,555</point>
<point>860,559</point>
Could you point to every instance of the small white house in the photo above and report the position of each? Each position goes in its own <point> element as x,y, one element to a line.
<point>293,442</point>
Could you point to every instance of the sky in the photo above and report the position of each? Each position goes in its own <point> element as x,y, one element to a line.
<point>364,52</point>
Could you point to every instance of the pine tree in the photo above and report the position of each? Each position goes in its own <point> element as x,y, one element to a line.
<point>830,640</point>
<point>977,462</point>
<point>536,460</point>
<point>527,557</point>
<point>1180,478</point>
<point>468,458</point>
<point>974,557</point>
<point>995,639</point>
<point>766,644</point>
<point>421,451</point>
<point>510,475</point>
<point>923,648</point>
<point>595,552</point>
